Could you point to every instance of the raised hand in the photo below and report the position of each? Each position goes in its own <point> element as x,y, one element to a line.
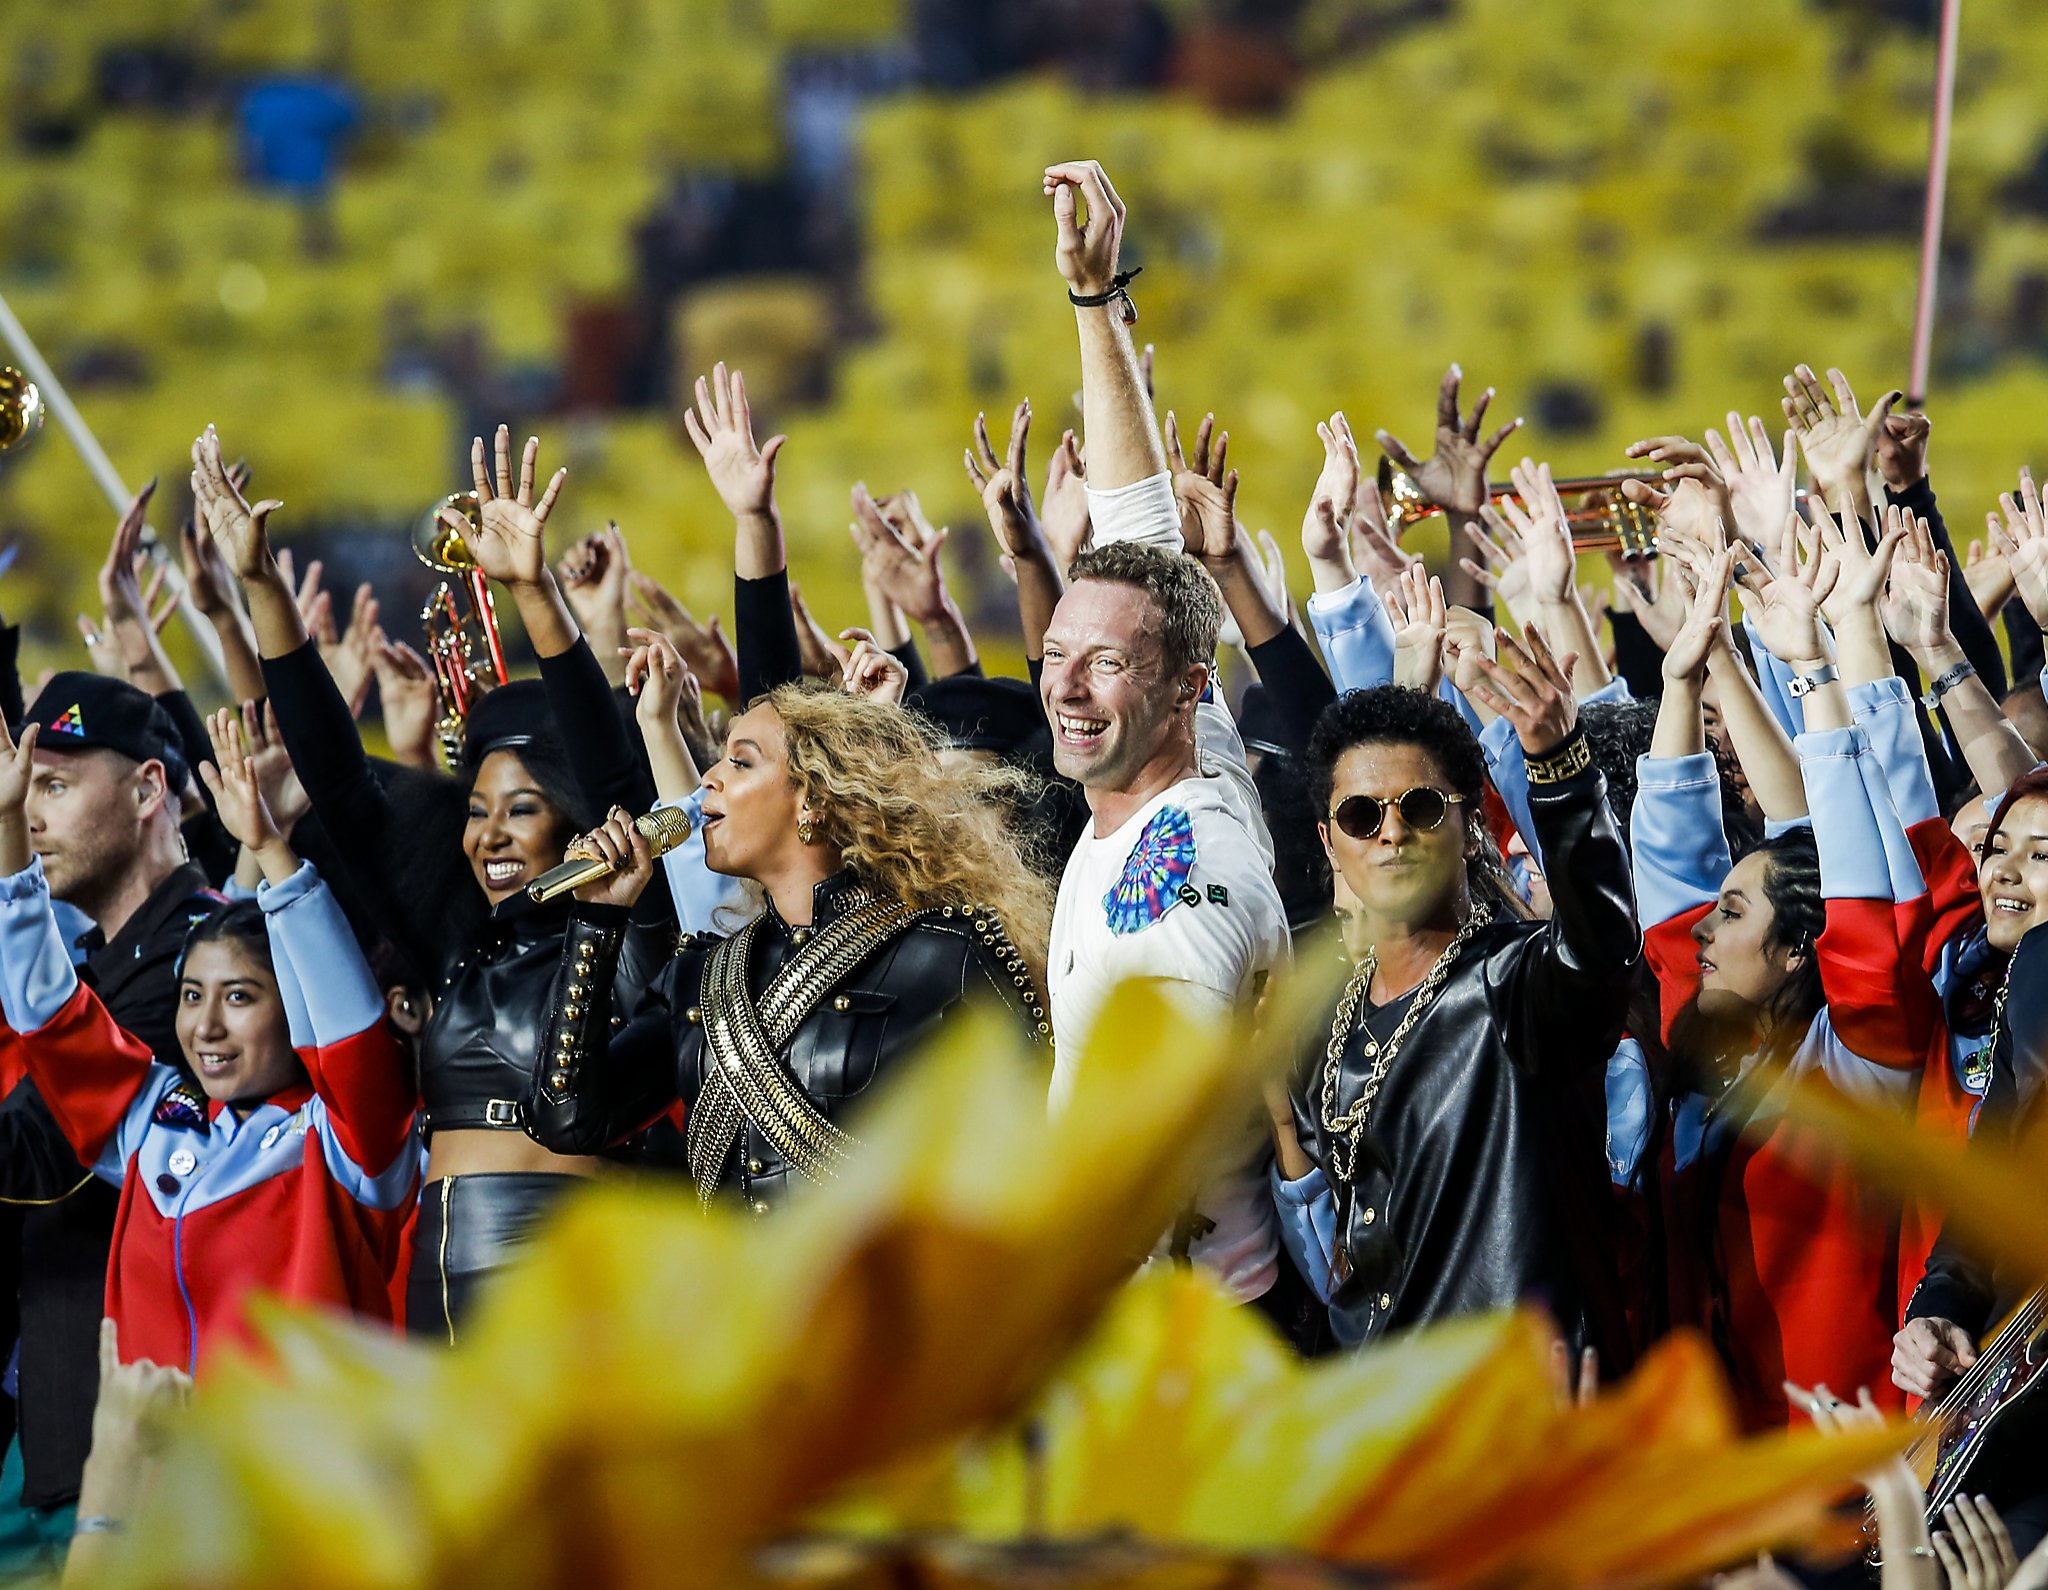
<point>282,792</point>
<point>822,656</point>
<point>409,697</point>
<point>1785,605</point>
<point>703,646</point>
<point>1325,527</point>
<point>1975,1550</point>
<point>1065,517</point>
<point>510,536</point>
<point>1761,489</point>
<point>1902,450</point>
<point>1454,476</point>
<point>1415,604</point>
<point>1536,515</point>
<point>1004,488</point>
<point>910,576</point>
<point>1531,689</point>
<point>1207,493</point>
<point>240,531</point>
<point>618,841</point>
<point>1988,576</point>
<point>1838,438</point>
<point>238,793</point>
<point>17,771</point>
<point>593,577</point>
<point>1648,588</point>
<point>1086,252</point>
<point>1705,626</point>
<point>351,655</point>
<point>1915,607</point>
<point>1864,569</point>
<point>722,426</point>
<point>1374,550</point>
<point>872,672</point>
<point>1502,570</point>
<point>2023,539</point>
<point>668,706</point>
<point>655,675</point>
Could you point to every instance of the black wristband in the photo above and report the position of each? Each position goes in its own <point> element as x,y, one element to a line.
<point>1119,286</point>
<point>1570,757</point>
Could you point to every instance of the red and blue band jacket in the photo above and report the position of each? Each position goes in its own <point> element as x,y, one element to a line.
<point>309,1196</point>
<point>1787,1258</point>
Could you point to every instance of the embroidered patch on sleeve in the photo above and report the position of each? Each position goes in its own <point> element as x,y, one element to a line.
<point>1158,866</point>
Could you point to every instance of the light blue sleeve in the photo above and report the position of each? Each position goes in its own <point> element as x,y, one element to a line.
<point>705,901</point>
<point>1774,680</point>
<point>1308,1227</point>
<point>1677,849</point>
<point>36,974</point>
<point>311,943</point>
<point>1883,709</point>
<point>1864,852</point>
<point>1356,635</point>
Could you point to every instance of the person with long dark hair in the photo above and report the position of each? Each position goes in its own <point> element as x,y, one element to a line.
<point>444,863</point>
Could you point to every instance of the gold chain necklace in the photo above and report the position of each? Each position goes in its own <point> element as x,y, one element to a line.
<point>1346,1128</point>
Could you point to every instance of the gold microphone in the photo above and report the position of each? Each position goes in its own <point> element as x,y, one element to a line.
<point>664,830</point>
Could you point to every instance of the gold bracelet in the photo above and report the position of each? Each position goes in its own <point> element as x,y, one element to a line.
<point>1568,760</point>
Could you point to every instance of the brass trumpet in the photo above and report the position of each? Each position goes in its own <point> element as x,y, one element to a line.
<point>1598,516</point>
<point>453,637</point>
<point>21,409</point>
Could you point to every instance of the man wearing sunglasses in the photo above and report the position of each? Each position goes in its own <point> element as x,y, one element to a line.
<point>1443,1149</point>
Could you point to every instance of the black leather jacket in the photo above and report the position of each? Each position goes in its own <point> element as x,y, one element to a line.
<point>598,1085</point>
<point>477,1053</point>
<point>1482,1174</point>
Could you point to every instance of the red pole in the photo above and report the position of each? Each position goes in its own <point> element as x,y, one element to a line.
<point>1937,197</point>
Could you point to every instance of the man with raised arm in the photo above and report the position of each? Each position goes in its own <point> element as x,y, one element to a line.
<point>1172,882</point>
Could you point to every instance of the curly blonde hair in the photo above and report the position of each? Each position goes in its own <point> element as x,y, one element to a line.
<point>920,830</point>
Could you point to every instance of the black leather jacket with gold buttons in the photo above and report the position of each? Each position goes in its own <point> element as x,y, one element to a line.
<point>595,1085</point>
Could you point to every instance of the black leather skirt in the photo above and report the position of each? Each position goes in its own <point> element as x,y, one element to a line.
<point>468,1227</point>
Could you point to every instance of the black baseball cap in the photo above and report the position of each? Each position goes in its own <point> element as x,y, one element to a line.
<point>85,712</point>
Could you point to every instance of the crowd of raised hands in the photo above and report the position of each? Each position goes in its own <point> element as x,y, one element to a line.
<point>1848,579</point>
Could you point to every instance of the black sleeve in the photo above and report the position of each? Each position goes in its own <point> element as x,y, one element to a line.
<point>594,1086</point>
<point>1965,617</point>
<point>1637,658</point>
<point>764,635</point>
<point>1955,1287</point>
<point>354,809</point>
<point>11,703</point>
<point>37,1163</point>
<point>2023,638</point>
<point>608,770</point>
<point>913,661</point>
<point>1569,995</point>
<point>1295,684</point>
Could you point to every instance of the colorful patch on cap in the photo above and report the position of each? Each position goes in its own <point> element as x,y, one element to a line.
<point>70,721</point>
<point>183,1105</point>
<point>1158,866</point>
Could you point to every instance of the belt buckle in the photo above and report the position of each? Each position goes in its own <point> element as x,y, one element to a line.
<point>501,1112</point>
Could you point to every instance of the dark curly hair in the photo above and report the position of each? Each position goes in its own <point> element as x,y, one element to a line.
<point>1396,715</point>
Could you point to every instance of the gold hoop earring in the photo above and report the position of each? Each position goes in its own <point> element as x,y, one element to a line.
<point>804,832</point>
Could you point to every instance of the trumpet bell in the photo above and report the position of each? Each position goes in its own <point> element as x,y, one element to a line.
<point>1596,513</point>
<point>21,409</point>
<point>440,548</point>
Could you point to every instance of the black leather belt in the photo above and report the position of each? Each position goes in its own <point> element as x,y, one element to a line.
<point>484,1115</point>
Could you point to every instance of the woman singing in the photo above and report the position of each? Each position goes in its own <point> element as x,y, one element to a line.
<point>444,863</point>
<point>894,896</point>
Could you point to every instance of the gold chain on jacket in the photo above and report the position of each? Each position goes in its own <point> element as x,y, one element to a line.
<point>1345,1129</point>
<point>743,1040</point>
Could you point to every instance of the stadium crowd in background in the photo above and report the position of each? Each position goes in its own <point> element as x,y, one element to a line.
<point>1613,881</point>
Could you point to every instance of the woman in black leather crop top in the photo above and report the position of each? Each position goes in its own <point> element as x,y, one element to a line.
<point>895,897</point>
<point>443,864</point>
